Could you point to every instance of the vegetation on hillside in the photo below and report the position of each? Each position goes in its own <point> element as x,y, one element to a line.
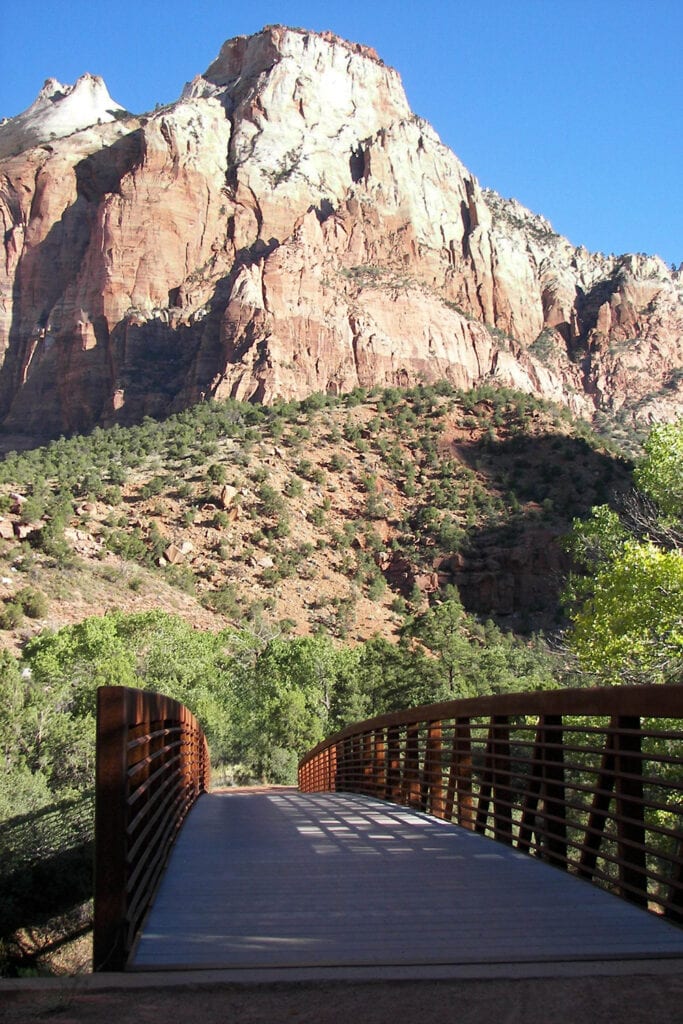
<point>334,513</point>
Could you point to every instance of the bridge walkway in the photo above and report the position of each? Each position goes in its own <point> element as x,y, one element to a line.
<point>279,879</point>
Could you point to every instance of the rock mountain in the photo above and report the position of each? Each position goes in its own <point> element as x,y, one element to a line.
<point>290,226</point>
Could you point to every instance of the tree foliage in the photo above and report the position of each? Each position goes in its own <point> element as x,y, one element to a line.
<point>471,659</point>
<point>660,473</point>
<point>630,628</point>
<point>262,699</point>
<point>627,610</point>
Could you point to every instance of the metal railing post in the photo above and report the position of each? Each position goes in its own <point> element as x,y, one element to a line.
<point>109,952</point>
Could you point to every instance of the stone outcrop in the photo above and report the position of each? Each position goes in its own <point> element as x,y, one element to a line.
<point>289,226</point>
<point>59,110</point>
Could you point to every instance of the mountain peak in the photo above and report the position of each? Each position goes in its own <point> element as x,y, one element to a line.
<point>248,54</point>
<point>58,110</point>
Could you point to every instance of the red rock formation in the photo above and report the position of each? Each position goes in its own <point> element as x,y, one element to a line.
<point>290,226</point>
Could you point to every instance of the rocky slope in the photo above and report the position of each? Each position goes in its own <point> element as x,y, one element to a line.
<point>289,226</point>
<point>338,514</point>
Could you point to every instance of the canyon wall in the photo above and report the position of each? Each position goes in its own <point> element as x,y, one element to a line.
<point>290,226</point>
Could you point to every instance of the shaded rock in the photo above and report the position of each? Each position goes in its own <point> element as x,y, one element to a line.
<point>25,530</point>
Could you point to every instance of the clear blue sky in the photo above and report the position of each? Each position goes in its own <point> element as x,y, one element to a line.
<point>571,106</point>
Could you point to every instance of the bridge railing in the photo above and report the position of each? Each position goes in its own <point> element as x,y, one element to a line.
<point>588,780</point>
<point>152,764</point>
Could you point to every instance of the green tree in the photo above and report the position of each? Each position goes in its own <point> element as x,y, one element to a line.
<point>392,677</point>
<point>630,627</point>
<point>660,472</point>
<point>442,629</point>
<point>627,609</point>
<point>472,659</point>
<point>289,700</point>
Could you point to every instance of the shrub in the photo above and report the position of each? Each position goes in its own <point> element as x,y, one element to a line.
<point>11,616</point>
<point>376,588</point>
<point>111,495</point>
<point>271,501</point>
<point>130,546</point>
<point>294,487</point>
<point>33,602</point>
<point>216,473</point>
<point>317,516</point>
<point>226,600</point>
<point>282,527</point>
<point>153,486</point>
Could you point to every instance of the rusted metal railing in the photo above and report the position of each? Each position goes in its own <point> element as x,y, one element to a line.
<point>588,780</point>
<point>152,764</point>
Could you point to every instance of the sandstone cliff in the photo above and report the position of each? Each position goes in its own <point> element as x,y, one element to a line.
<point>289,226</point>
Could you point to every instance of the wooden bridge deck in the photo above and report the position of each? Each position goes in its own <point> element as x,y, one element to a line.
<point>280,879</point>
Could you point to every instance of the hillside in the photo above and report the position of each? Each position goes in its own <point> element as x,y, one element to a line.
<point>335,514</point>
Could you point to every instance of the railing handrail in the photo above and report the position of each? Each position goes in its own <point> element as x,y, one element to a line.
<point>590,780</point>
<point>646,701</point>
<point>152,764</point>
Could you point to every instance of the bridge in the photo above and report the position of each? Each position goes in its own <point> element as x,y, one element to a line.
<point>539,827</point>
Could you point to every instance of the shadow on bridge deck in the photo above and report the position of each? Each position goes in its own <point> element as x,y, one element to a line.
<point>279,881</point>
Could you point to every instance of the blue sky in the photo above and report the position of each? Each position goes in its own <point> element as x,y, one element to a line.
<point>571,106</point>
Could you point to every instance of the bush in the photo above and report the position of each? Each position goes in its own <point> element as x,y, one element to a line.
<point>294,487</point>
<point>226,601</point>
<point>11,616</point>
<point>317,516</point>
<point>112,495</point>
<point>272,502</point>
<point>154,486</point>
<point>338,462</point>
<point>130,546</point>
<point>33,602</point>
<point>282,527</point>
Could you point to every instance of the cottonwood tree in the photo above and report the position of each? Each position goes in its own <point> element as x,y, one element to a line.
<point>627,610</point>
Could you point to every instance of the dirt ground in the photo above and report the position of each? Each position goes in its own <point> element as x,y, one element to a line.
<point>629,998</point>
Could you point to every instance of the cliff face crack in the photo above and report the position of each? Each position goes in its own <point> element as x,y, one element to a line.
<point>167,135</point>
<point>264,291</point>
<point>205,220</point>
<point>357,164</point>
<point>258,213</point>
<point>355,335</point>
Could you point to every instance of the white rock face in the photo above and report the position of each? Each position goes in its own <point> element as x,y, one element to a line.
<point>57,111</point>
